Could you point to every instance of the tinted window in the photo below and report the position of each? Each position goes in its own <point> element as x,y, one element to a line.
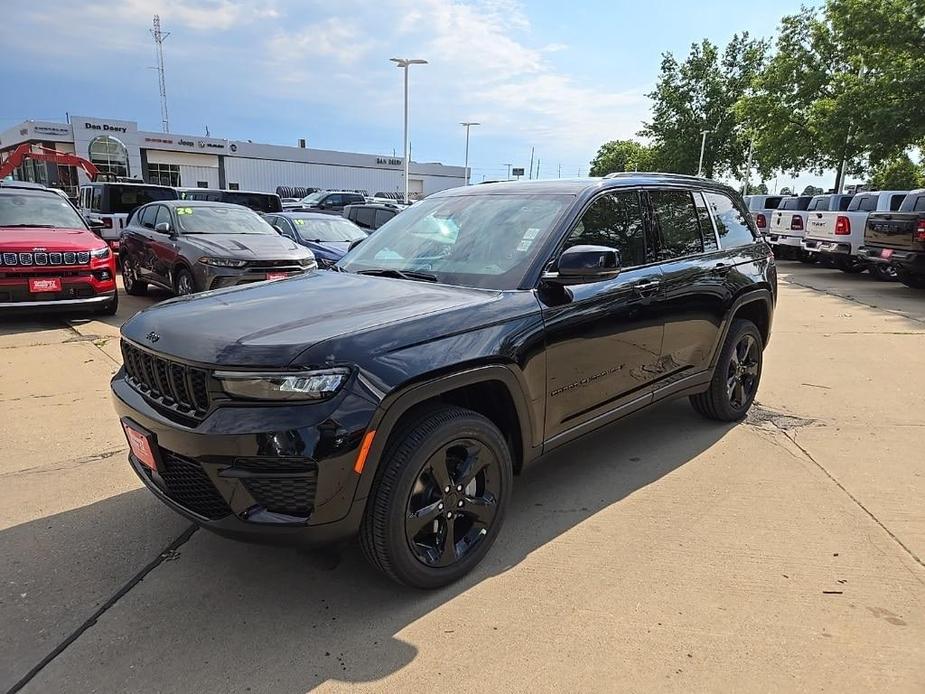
<point>863,203</point>
<point>843,202</point>
<point>255,201</point>
<point>354,199</point>
<point>364,217</point>
<point>820,202</point>
<point>800,203</point>
<point>335,200</point>
<point>706,224</point>
<point>919,205</point>
<point>147,216</point>
<point>678,221</point>
<point>163,215</point>
<point>896,201</point>
<point>731,222</point>
<point>382,216</point>
<point>772,203</point>
<point>613,220</point>
<point>124,199</point>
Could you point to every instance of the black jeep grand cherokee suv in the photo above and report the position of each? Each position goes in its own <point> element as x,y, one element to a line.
<point>481,328</point>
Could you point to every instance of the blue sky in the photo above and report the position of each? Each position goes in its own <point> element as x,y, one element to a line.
<point>562,77</point>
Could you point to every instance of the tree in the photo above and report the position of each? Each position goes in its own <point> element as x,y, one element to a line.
<point>898,173</point>
<point>786,191</point>
<point>760,189</point>
<point>812,190</point>
<point>621,155</point>
<point>699,94</point>
<point>843,85</point>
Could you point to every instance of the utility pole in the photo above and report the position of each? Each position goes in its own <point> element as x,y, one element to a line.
<point>560,169</point>
<point>467,125</point>
<point>538,168</point>
<point>159,37</point>
<point>531,162</point>
<point>509,171</point>
<point>703,146</point>
<point>404,64</point>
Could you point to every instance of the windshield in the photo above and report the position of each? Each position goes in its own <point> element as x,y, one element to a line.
<point>472,240</point>
<point>221,220</point>
<point>29,209</point>
<point>313,198</point>
<point>124,199</point>
<point>327,230</point>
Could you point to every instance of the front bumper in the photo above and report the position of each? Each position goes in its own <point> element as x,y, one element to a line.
<point>278,474</point>
<point>211,277</point>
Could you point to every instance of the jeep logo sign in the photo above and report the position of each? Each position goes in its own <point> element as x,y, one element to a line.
<point>105,126</point>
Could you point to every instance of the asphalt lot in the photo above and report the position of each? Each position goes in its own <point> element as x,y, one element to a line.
<point>662,553</point>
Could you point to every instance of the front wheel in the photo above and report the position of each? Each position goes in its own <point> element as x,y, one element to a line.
<point>184,283</point>
<point>439,498</point>
<point>110,308</point>
<point>735,379</point>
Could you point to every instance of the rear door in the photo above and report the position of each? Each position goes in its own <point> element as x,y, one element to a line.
<point>604,339</point>
<point>695,270</point>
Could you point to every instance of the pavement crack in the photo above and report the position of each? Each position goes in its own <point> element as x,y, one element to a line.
<point>168,554</point>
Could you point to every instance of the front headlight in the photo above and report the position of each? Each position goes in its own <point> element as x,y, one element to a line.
<point>100,253</point>
<point>325,264</point>
<point>308,262</point>
<point>222,262</point>
<point>302,385</point>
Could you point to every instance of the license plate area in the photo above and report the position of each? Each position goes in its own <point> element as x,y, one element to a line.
<point>37,285</point>
<point>272,276</point>
<point>143,444</point>
<point>886,253</point>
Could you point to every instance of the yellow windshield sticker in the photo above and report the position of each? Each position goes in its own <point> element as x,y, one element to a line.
<point>300,222</point>
<point>184,210</point>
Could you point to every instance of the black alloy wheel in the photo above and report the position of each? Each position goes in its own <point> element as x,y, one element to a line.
<point>743,371</point>
<point>439,496</point>
<point>133,286</point>
<point>453,502</point>
<point>185,284</point>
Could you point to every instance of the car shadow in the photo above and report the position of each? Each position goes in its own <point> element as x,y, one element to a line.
<point>225,616</point>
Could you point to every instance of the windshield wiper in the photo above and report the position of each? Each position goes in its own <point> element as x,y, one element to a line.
<point>400,274</point>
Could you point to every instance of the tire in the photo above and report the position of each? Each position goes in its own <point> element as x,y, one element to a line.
<point>721,401</point>
<point>807,257</point>
<point>850,264</point>
<point>133,286</point>
<point>110,308</point>
<point>910,279</point>
<point>404,520</point>
<point>184,283</point>
<point>883,272</point>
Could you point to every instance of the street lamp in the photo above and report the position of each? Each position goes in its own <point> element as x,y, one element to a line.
<point>467,125</point>
<point>703,144</point>
<point>404,63</point>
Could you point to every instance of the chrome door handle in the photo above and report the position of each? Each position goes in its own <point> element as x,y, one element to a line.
<point>646,287</point>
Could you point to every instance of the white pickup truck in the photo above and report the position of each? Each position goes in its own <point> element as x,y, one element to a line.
<point>786,230</point>
<point>838,235</point>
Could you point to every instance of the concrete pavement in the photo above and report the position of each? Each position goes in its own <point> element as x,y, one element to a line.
<point>662,553</point>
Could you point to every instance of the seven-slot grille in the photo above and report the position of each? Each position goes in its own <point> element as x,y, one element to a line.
<point>178,386</point>
<point>43,258</point>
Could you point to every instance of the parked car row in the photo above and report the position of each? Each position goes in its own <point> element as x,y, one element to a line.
<point>879,231</point>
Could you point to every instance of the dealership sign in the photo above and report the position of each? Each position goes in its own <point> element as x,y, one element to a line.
<point>105,127</point>
<point>388,161</point>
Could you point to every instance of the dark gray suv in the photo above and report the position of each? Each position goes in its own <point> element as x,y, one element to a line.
<point>188,246</point>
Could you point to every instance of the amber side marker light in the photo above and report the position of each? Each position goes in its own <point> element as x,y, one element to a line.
<point>364,451</point>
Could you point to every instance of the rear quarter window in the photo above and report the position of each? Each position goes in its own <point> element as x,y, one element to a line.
<point>732,222</point>
<point>896,201</point>
<point>863,203</point>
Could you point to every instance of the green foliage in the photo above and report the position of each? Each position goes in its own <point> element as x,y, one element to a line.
<point>622,155</point>
<point>760,189</point>
<point>812,190</point>
<point>898,173</point>
<point>845,82</point>
<point>699,94</point>
<point>786,191</point>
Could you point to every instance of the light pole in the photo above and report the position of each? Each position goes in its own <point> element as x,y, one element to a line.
<point>404,63</point>
<point>467,125</point>
<point>703,145</point>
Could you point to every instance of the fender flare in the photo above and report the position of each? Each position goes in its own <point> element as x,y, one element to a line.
<point>396,404</point>
<point>763,295</point>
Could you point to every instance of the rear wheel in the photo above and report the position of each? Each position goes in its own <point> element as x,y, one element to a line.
<point>439,498</point>
<point>911,279</point>
<point>808,257</point>
<point>884,272</point>
<point>133,285</point>
<point>735,380</point>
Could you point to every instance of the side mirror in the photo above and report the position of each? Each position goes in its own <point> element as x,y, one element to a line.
<point>354,244</point>
<point>163,228</point>
<point>584,264</point>
<point>96,226</point>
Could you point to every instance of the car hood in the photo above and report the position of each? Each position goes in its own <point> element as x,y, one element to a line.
<point>246,246</point>
<point>269,324</point>
<point>27,238</point>
<point>329,249</point>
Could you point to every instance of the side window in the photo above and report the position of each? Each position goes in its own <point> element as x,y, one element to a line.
<point>731,222</point>
<point>919,204</point>
<point>678,221</point>
<point>364,217</point>
<point>896,201</point>
<point>706,224</point>
<point>286,226</point>
<point>356,199</point>
<point>147,216</point>
<point>382,216</point>
<point>96,199</point>
<point>335,200</point>
<point>614,220</point>
<point>163,215</point>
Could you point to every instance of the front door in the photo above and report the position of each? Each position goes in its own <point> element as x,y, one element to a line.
<point>604,339</point>
<point>164,248</point>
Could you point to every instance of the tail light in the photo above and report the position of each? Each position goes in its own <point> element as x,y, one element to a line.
<point>107,222</point>
<point>761,221</point>
<point>796,223</point>
<point>842,225</point>
<point>920,231</point>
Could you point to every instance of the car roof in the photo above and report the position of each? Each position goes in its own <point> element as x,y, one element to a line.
<point>578,186</point>
<point>197,203</point>
<point>223,190</point>
<point>376,206</point>
<point>139,184</point>
<point>305,215</point>
<point>26,186</point>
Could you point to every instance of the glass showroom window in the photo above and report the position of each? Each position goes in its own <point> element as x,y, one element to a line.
<point>109,155</point>
<point>164,174</point>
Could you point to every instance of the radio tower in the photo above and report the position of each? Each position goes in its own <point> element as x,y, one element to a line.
<point>159,37</point>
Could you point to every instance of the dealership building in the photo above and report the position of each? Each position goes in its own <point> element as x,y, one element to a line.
<point>119,148</point>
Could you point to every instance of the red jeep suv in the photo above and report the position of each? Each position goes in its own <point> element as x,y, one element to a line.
<point>49,257</point>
